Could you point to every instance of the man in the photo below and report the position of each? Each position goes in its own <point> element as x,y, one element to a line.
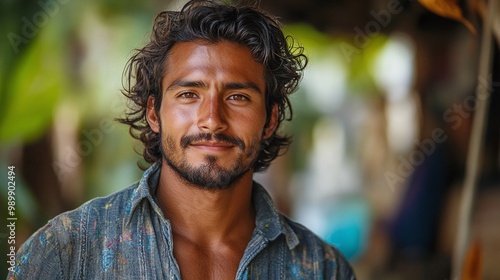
<point>209,93</point>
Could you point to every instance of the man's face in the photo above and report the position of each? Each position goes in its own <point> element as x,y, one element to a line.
<point>213,112</point>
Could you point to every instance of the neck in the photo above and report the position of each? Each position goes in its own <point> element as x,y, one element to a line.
<point>206,216</point>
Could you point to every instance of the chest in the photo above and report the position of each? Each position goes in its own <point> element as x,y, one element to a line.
<point>144,258</point>
<point>207,265</point>
<point>196,262</point>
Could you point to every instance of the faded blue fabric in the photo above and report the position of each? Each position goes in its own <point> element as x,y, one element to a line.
<point>126,236</point>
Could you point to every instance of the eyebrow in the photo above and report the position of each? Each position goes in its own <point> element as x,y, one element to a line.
<point>184,83</point>
<point>201,84</point>
<point>247,85</point>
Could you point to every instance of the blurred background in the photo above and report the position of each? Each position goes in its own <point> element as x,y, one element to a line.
<point>382,126</point>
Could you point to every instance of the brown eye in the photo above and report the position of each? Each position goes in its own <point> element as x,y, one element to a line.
<point>188,95</point>
<point>238,97</point>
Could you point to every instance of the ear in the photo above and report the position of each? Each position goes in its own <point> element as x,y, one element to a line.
<point>273,122</point>
<point>151,116</point>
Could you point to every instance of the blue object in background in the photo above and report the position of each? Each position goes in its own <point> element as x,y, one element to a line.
<point>348,225</point>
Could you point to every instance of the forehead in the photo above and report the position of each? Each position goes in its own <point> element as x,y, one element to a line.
<point>222,60</point>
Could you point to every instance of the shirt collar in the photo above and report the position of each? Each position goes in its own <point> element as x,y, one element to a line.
<point>269,222</point>
<point>145,190</point>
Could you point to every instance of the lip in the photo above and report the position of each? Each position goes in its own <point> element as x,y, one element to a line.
<point>212,145</point>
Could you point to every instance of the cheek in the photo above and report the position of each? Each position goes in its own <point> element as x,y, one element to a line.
<point>250,125</point>
<point>175,119</point>
<point>254,118</point>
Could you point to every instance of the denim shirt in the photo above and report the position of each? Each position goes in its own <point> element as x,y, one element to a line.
<point>126,236</point>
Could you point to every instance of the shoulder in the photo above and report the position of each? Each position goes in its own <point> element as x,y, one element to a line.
<point>312,248</point>
<point>53,250</point>
<point>98,210</point>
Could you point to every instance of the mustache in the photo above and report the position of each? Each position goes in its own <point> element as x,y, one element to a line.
<point>220,137</point>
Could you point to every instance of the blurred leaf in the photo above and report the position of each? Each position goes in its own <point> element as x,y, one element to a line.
<point>360,78</point>
<point>34,90</point>
<point>310,38</point>
<point>321,46</point>
<point>473,266</point>
<point>448,9</point>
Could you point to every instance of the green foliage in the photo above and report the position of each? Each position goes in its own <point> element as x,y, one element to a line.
<point>357,61</point>
<point>33,91</point>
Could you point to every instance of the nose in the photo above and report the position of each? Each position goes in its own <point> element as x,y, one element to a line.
<point>211,115</point>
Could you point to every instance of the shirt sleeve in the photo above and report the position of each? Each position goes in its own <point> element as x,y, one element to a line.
<point>40,256</point>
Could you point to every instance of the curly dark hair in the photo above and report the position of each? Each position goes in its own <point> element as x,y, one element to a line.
<point>283,61</point>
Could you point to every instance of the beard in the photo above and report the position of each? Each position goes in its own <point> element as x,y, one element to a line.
<point>209,175</point>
